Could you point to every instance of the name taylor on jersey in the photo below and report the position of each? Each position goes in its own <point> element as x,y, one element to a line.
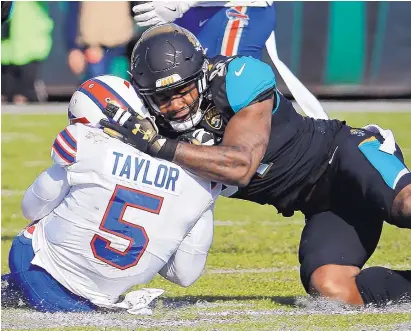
<point>136,168</point>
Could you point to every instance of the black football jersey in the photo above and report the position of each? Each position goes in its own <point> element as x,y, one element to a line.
<point>299,147</point>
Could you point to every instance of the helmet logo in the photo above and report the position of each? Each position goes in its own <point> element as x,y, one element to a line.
<point>236,14</point>
<point>91,86</point>
<point>168,80</point>
<point>213,118</point>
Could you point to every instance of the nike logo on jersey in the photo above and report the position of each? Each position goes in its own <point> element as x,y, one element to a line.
<point>332,156</point>
<point>239,72</point>
<point>172,8</point>
<point>202,22</point>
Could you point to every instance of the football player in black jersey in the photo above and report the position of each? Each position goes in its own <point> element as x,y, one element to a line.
<point>345,180</point>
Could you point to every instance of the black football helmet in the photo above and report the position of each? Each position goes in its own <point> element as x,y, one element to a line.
<point>167,57</point>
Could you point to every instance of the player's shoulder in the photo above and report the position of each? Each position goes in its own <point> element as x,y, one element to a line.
<point>64,148</point>
<point>70,142</point>
<point>246,79</point>
<point>250,68</point>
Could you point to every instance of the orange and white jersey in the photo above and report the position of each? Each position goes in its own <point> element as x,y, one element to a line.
<point>125,213</point>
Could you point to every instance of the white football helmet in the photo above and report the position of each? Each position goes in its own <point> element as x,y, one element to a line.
<point>92,96</point>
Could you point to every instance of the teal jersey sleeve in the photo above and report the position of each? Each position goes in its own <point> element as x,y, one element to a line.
<point>246,79</point>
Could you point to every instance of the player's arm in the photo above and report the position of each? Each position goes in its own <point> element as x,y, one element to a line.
<point>52,185</point>
<point>46,193</point>
<point>233,162</point>
<point>236,160</point>
<point>187,263</point>
<point>250,86</point>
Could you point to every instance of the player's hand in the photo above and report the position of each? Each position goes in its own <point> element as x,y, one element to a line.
<point>199,137</point>
<point>137,131</point>
<point>152,12</point>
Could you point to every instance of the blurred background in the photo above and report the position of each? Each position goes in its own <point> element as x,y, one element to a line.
<point>339,49</point>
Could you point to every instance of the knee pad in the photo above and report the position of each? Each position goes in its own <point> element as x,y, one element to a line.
<point>379,286</point>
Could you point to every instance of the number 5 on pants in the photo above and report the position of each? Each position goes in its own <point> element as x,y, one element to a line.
<point>114,224</point>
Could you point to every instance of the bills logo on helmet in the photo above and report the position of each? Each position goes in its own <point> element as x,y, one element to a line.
<point>235,15</point>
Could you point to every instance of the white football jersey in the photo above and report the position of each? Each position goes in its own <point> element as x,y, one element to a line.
<point>123,207</point>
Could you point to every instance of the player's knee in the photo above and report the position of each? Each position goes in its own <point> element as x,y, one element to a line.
<point>379,286</point>
<point>186,280</point>
<point>336,282</point>
<point>401,208</point>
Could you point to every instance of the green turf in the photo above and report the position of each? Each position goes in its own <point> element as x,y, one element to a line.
<point>257,250</point>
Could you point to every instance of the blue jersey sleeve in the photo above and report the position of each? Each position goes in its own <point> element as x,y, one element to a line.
<point>246,79</point>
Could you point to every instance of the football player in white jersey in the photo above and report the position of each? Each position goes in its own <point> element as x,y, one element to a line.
<point>106,217</point>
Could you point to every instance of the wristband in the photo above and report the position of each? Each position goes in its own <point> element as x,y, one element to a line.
<point>168,151</point>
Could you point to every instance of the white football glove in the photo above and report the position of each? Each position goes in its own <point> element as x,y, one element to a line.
<point>199,137</point>
<point>203,137</point>
<point>159,12</point>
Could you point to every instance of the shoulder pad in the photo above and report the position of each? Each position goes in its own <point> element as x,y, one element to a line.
<point>246,79</point>
<point>64,149</point>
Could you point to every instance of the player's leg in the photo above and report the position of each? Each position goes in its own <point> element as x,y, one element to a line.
<point>206,24</point>
<point>252,33</point>
<point>333,251</point>
<point>237,30</point>
<point>373,177</point>
<point>39,290</point>
<point>25,90</point>
<point>401,207</point>
<point>188,262</point>
<point>367,183</point>
<point>9,82</point>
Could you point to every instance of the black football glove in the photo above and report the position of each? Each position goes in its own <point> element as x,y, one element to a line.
<point>137,131</point>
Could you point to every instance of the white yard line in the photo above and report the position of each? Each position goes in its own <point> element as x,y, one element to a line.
<point>12,136</point>
<point>11,193</point>
<point>37,163</point>
<point>290,269</point>
<point>283,222</point>
<point>23,319</point>
<point>377,106</point>
<point>250,271</point>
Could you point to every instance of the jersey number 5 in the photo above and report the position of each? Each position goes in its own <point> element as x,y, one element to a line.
<point>123,198</point>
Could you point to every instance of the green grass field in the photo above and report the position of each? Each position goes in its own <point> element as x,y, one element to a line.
<point>251,281</point>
